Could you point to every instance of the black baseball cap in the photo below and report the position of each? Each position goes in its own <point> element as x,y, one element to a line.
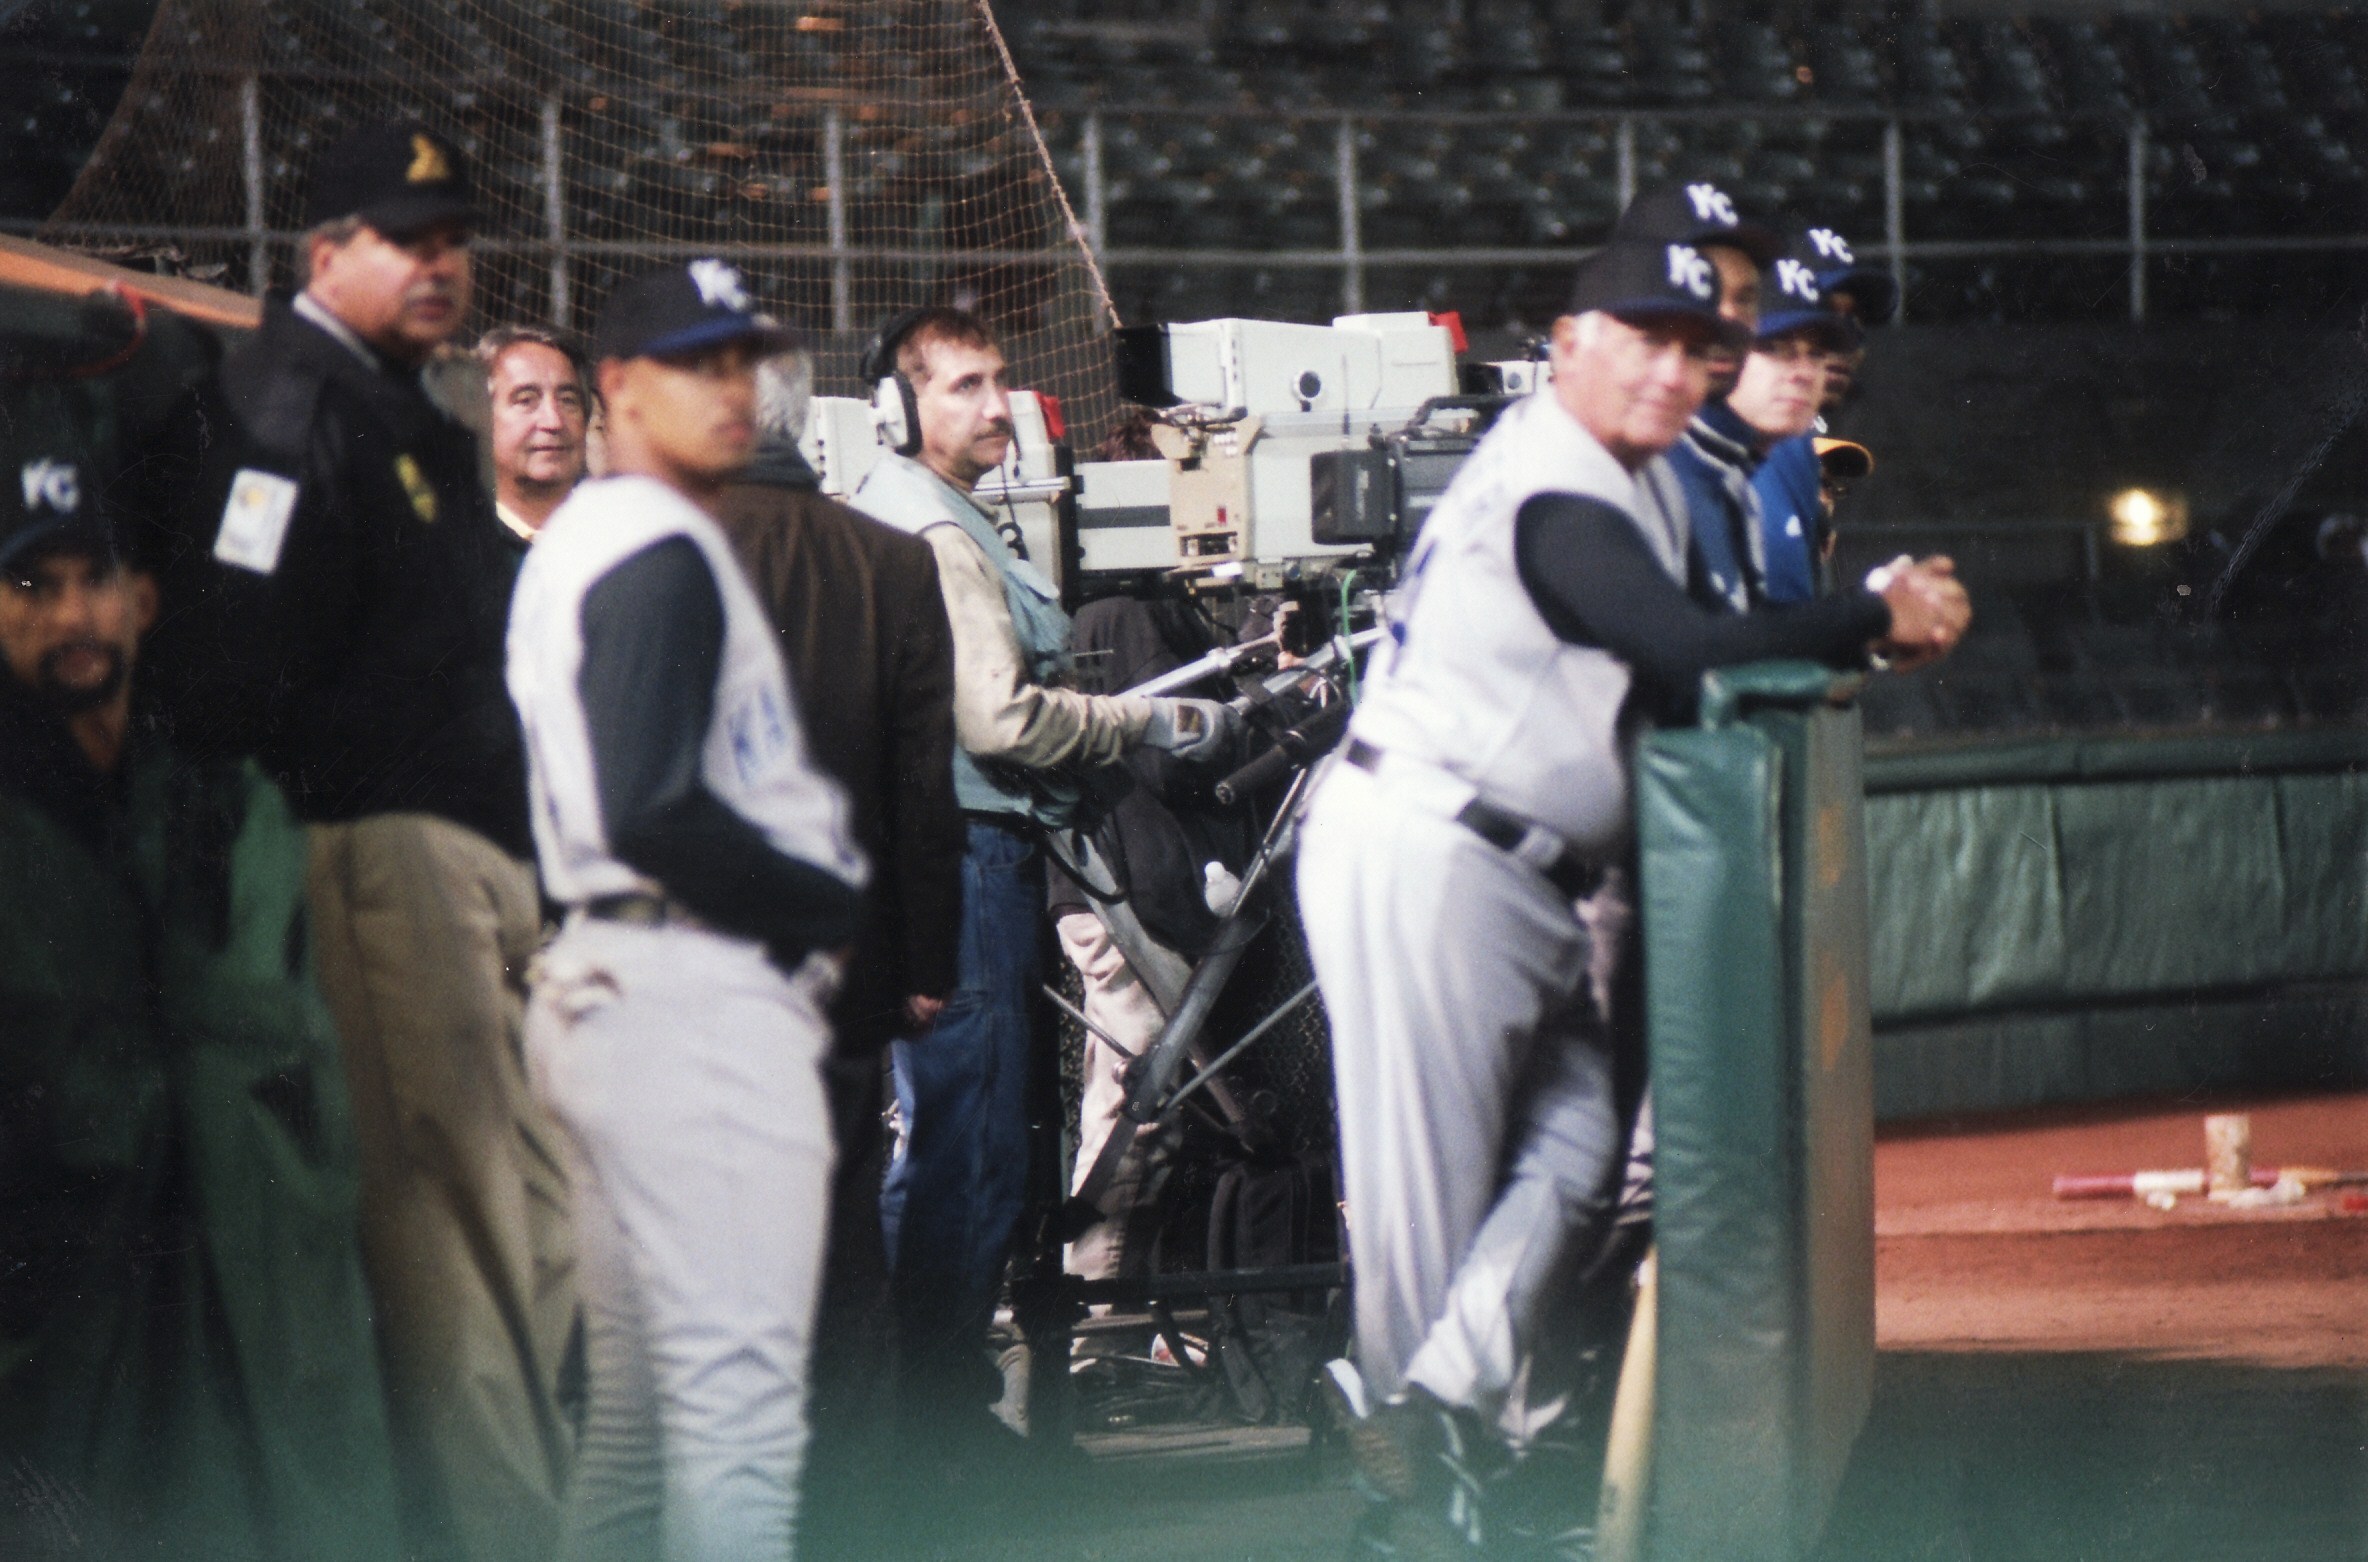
<point>1634,281</point>
<point>1839,270</point>
<point>399,177</point>
<point>1792,303</point>
<point>683,309</point>
<point>1697,212</point>
<point>46,503</point>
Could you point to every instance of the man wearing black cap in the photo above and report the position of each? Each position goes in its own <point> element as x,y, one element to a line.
<point>186,1363</point>
<point>712,883</point>
<point>336,608</point>
<point>1463,873</point>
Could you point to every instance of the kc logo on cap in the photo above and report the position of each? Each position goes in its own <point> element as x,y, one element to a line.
<point>719,285</point>
<point>1687,269</point>
<point>1711,204</point>
<point>1797,280</point>
<point>1832,246</point>
<point>54,485</point>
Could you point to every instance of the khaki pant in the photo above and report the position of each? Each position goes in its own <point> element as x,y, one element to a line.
<point>424,931</point>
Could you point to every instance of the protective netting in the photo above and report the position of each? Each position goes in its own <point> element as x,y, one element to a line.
<point>853,157</point>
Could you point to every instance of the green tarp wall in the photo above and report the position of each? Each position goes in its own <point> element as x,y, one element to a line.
<point>2080,919</point>
<point>1754,901</point>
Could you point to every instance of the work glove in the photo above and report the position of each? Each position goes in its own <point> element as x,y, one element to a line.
<point>1188,729</point>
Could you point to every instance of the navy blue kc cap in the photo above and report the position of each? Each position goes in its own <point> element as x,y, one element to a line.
<point>400,177</point>
<point>1636,281</point>
<point>685,309</point>
<point>45,504</point>
<point>1794,303</point>
<point>1697,213</point>
<point>1872,292</point>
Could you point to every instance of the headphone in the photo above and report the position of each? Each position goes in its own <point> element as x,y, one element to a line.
<point>896,406</point>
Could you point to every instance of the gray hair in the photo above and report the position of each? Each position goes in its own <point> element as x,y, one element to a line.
<point>337,230</point>
<point>502,338</point>
<point>784,395</point>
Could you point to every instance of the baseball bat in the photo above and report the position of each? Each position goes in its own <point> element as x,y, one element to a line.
<point>1628,1451</point>
<point>2190,1181</point>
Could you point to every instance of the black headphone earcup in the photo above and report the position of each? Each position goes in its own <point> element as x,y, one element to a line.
<point>912,414</point>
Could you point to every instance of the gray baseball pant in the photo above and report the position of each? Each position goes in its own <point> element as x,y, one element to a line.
<point>686,1070</point>
<point>1472,1061</point>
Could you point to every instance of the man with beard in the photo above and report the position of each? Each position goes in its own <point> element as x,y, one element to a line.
<point>186,1363</point>
<point>336,608</point>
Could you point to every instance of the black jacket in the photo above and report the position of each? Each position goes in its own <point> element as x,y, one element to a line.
<point>365,669</point>
<point>871,661</point>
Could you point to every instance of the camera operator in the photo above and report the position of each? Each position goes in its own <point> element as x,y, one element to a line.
<point>1463,873</point>
<point>957,1182</point>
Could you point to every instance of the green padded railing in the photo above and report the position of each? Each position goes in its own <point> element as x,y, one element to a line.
<point>1754,911</point>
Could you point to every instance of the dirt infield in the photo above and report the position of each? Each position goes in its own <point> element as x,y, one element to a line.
<point>2106,1381</point>
<point>1972,1253</point>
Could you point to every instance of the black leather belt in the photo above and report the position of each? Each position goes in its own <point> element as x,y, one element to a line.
<point>1574,875</point>
<point>640,910</point>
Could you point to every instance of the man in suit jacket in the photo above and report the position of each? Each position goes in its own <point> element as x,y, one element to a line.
<point>863,628</point>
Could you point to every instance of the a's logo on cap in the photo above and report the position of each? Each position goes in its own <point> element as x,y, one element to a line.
<point>719,285</point>
<point>52,485</point>
<point>1798,280</point>
<point>1687,269</point>
<point>1711,205</point>
<point>1832,246</point>
<point>428,164</point>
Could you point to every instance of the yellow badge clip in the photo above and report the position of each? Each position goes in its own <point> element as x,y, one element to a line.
<point>415,483</point>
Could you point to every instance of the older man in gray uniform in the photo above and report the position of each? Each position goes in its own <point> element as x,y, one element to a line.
<point>1461,874</point>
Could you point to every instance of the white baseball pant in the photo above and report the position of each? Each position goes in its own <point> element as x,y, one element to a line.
<point>1473,1070</point>
<point>686,1070</point>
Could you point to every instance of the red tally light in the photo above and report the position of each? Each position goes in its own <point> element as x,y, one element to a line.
<point>1054,424</point>
<point>1453,319</point>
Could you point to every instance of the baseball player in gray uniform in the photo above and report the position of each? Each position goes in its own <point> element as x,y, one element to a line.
<point>1461,871</point>
<point>710,880</point>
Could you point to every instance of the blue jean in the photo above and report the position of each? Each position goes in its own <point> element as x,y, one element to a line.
<point>956,1187</point>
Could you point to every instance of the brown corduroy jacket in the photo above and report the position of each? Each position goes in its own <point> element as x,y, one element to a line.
<point>871,661</point>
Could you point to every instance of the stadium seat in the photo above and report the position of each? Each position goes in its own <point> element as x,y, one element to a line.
<point>1755,64</point>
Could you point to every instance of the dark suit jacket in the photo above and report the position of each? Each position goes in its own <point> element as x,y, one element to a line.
<point>863,628</point>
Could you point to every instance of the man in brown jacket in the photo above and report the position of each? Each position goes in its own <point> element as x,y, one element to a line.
<point>863,628</point>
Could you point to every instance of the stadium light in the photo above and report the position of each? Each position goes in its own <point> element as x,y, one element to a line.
<point>2143,518</point>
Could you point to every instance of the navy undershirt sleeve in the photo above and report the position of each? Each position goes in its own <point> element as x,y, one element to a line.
<point>1595,582</point>
<point>653,632</point>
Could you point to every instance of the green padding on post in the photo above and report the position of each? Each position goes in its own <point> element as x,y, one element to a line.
<point>1754,915</point>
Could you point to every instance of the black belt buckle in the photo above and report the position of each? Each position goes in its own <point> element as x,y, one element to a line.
<point>1568,872</point>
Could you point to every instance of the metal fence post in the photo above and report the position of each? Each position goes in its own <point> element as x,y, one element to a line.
<point>555,214</point>
<point>1097,190</point>
<point>834,184</point>
<point>1895,215</point>
<point>250,126</point>
<point>2138,221</point>
<point>1624,158</point>
<point>1352,241</point>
